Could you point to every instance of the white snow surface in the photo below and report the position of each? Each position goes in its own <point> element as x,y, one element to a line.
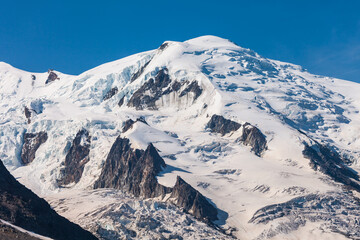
<point>237,83</point>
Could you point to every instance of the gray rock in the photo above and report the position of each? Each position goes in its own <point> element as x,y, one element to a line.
<point>52,77</point>
<point>110,93</point>
<point>331,163</point>
<point>76,158</point>
<point>132,170</point>
<point>252,136</point>
<point>192,201</point>
<point>32,142</point>
<point>221,125</point>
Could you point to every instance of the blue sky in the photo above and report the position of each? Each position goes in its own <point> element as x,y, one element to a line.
<point>74,36</point>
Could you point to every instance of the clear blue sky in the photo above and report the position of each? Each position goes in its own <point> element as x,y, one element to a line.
<point>73,36</point>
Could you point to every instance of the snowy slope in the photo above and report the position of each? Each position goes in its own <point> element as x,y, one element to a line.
<point>278,98</point>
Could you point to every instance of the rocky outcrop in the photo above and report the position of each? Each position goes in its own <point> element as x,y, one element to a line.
<point>186,197</point>
<point>21,207</point>
<point>121,101</point>
<point>110,93</point>
<point>155,88</point>
<point>135,171</point>
<point>140,71</point>
<point>128,124</point>
<point>27,113</point>
<point>163,46</point>
<point>194,88</point>
<point>329,162</point>
<point>32,142</point>
<point>76,158</point>
<point>132,170</point>
<point>252,136</point>
<point>221,125</point>
<point>147,94</point>
<point>52,76</point>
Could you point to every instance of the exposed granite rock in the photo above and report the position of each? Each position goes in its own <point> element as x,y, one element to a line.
<point>133,171</point>
<point>140,71</point>
<point>147,94</point>
<point>32,142</point>
<point>329,162</point>
<point>21,207</point>
<point>194,88</point>
<point>221,125</point>
<point>163,46</point>
<point>76,158</point>
<point>252,136</point>
<point>186,197</point>
<point>52,76</point>
<point>27,112</point>
<point>161,85</point>
<point>110,93</point>
<point>121,102</point>
<point>127,125</point>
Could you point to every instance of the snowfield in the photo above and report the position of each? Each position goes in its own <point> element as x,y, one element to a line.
<point>276,97</point>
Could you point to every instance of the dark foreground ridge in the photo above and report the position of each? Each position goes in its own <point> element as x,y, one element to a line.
<point>21,207</point>
<point>251,135</point>
<point>135,171</point>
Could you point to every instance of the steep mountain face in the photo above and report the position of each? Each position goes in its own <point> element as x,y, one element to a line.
<point>21,207</point>
<point>253,147</point>
<point>133,171</point>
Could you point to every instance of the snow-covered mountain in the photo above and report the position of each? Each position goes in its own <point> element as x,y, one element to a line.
<point>200,139</point>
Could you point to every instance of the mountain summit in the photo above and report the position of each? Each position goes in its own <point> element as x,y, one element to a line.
<point>195,139</point>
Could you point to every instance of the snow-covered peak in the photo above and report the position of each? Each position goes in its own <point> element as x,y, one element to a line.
<point>177,88</point>
<point>210,41</point>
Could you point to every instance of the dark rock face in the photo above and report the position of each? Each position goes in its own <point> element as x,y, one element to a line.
<point>147,95</point>
<point>21,207</point>
<point>221,125</point>
<point>192,201</point>
<point>27,112</point>
<point>110,93</point>
<point>76,158</point>
<point>163,46</point>
<point>10,233</point>
<point>135,171</point>
<point>52,77</point>
<point>252,136</point>
<point>121,102</point>
<point>331,163</point>
<point>32,142</point>
<point>127,125</point>
<point>132,170</point>
<point>194,88</point>
<point>140,71</point>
